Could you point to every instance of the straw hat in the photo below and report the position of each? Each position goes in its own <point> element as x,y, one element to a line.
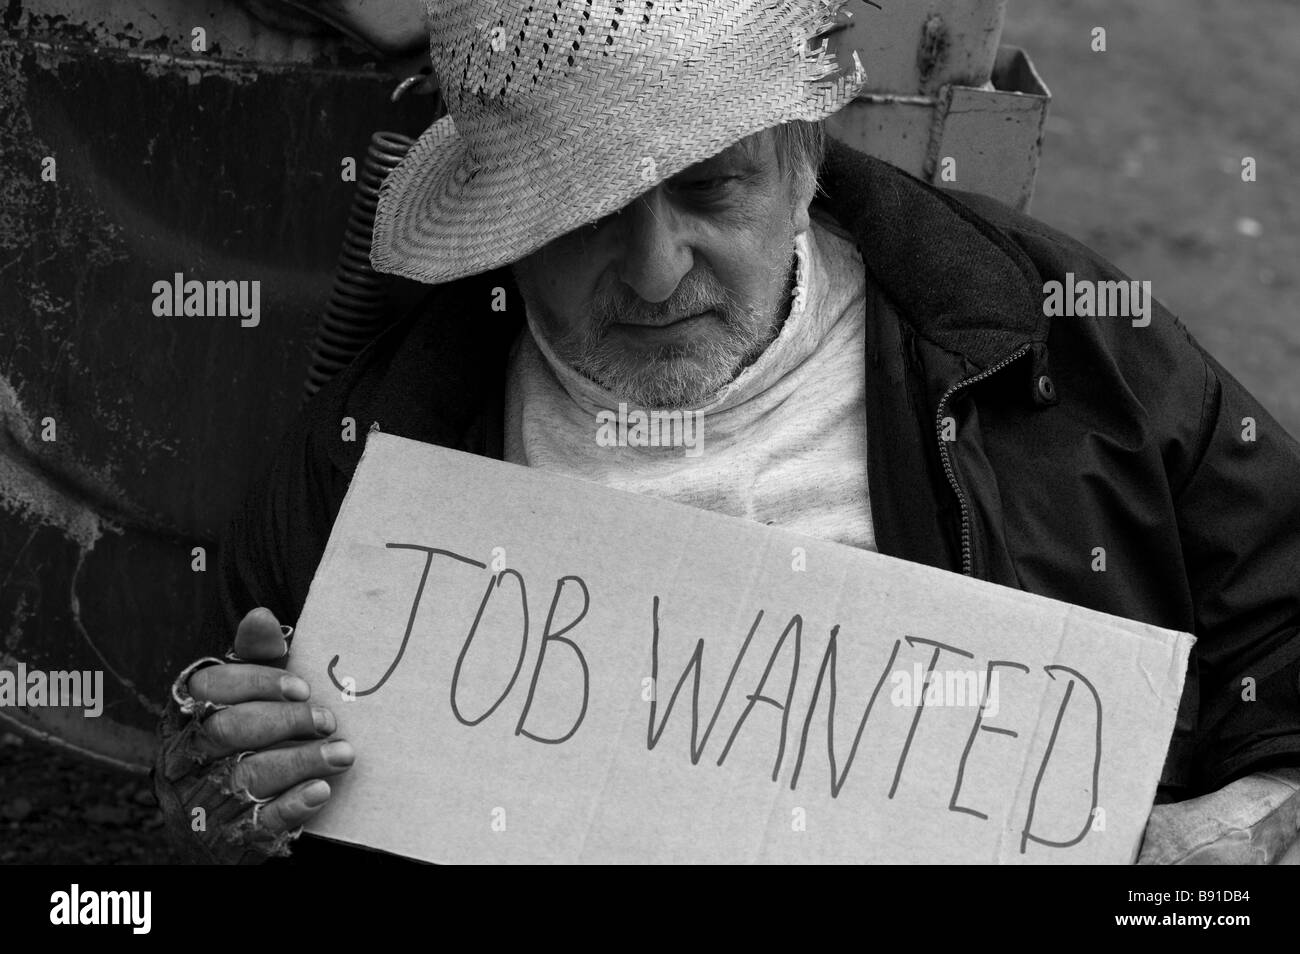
<point>562,111</point>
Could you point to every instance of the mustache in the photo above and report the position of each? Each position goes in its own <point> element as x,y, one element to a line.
<point>619,303</point>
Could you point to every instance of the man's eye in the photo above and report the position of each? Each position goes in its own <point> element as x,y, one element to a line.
<point>706,186</point>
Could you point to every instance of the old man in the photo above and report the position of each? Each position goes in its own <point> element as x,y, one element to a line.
<point>649,190</point>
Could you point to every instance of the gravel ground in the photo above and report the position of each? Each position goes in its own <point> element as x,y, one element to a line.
<point>55,809</point>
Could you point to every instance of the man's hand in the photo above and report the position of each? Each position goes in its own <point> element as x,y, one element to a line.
<point>236,783</point>
<point>1255,820</point>
<point>268,716</point>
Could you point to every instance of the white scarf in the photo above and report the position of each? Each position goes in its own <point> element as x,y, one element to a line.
<point>785,443</point>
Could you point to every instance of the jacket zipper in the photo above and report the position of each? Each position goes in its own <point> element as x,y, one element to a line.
<point>966,559</point>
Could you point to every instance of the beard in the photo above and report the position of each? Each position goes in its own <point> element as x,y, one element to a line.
<point>678,375</point>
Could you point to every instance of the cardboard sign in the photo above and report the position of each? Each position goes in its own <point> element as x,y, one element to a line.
<point>535,669</point>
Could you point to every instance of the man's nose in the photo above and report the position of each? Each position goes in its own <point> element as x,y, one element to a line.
<point>656,251</point>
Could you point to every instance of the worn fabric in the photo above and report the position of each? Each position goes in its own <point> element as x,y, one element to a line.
<point>783,444</point>
<point>1136,446</point>
<point>207,817</point>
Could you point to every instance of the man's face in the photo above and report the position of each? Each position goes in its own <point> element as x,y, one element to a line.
<point>666,300</point>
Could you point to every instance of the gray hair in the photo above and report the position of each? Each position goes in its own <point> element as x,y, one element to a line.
<point>800,148</point>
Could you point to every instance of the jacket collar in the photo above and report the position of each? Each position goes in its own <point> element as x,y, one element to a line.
<point>955,279</point>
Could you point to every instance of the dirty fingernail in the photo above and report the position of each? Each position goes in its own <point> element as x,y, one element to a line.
<point>317,793</point>
<point>294,688</point>
<point>323,719</point>
<point>338,753</point>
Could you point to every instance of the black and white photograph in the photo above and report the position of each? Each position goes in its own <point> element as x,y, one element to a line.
<point>649,432</point>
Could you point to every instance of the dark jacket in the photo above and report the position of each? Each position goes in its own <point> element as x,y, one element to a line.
<point>1070,434</point>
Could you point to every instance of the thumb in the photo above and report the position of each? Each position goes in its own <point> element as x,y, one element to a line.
<point>261,638</point>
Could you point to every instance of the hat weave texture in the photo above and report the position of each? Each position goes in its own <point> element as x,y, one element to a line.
<point>561,112</point>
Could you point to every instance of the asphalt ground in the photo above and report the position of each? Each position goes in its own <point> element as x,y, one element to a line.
<point>1142,161</point>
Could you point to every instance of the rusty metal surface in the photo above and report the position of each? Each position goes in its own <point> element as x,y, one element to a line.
<point>993,134</point>
<point>997,133</point>
<point>909,47</point>
<point>942,89</point>
<point>219,169</point>
<point>232,31</point>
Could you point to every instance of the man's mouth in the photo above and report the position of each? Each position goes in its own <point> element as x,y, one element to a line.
<point>667,322</point>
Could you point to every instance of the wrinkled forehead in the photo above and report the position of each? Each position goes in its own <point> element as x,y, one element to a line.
<point>751,151</point>
<point>745,157</point>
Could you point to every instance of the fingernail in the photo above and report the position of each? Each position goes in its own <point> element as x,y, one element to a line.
<point>317,793</point>
<point>294,688</point>
<point>323,719</point>
<point>337,753</point>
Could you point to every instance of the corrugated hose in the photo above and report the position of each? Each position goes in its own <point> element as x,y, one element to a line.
<point>357,309</point>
